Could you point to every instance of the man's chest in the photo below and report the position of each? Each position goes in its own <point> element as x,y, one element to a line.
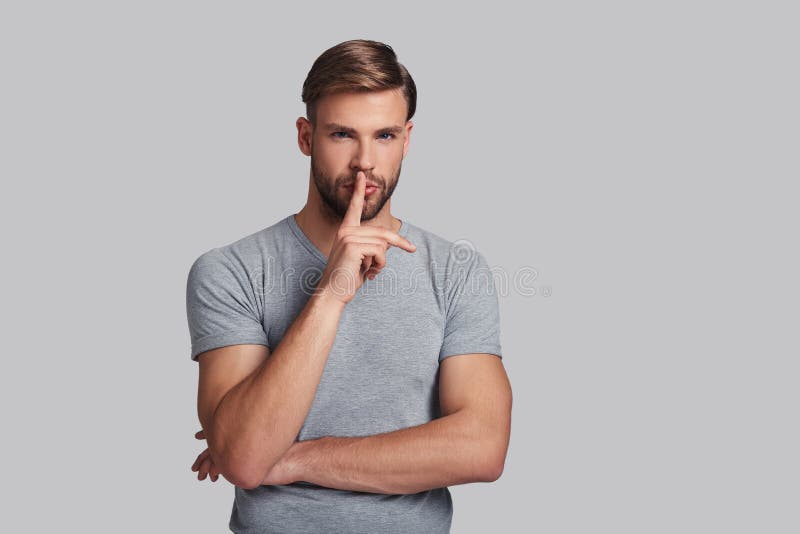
<point>382,371</point>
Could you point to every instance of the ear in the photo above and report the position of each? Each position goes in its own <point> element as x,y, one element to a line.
<point>304,133</point>
<point>407,140</point>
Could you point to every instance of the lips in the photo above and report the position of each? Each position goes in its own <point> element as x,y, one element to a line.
<point>369,184</point>
<point>368,191</point>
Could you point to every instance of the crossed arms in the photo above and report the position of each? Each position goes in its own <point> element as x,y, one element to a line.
<point>252,404</point>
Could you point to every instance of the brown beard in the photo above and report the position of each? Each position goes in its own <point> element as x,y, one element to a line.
<point>335,204</point>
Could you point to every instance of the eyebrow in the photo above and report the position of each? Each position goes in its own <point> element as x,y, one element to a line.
<point>333,126</point>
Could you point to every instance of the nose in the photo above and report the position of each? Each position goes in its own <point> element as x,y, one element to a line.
<point>363,159</point>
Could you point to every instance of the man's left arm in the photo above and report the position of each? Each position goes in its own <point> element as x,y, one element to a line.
<point>467,444</point>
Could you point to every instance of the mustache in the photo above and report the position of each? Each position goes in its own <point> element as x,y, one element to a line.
<point>351,182</point>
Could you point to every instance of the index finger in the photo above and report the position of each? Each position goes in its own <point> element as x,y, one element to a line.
<point>353,215</point>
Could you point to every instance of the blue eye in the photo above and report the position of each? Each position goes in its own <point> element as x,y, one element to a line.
<point>335,135</point>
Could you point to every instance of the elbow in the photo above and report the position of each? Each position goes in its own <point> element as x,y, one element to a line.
<point>239,466</point>
<point>248,484</point>
<point>494,449</point>
<point>239,472</point>
<point>247,474</point>
<point>492,467</point>
<point>243,476</point>
<point>492,472</point>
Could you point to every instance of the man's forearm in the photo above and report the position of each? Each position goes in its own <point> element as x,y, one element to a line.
<point>446,451</point>
<point>258,420</point>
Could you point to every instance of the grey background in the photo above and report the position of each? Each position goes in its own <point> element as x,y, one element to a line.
<point>638,156</point>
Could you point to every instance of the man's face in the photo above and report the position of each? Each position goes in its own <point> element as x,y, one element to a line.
<point>359,132</point>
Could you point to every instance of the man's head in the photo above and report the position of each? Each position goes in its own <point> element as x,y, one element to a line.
<point>359,102</point>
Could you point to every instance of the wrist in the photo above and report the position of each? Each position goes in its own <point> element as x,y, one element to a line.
<point>297,460</point>
<point>326,297</point>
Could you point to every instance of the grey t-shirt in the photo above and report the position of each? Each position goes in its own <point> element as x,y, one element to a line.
<point>381,374</point>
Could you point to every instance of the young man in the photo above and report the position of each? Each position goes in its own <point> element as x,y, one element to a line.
<point>350,361</point>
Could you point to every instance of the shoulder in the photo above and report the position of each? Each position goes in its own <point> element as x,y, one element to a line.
<point>450,260</point>
<point>435,246</point>
<point>444,251</point>
<point>245,254</point>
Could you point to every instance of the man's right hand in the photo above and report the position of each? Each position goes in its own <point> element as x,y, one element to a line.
<point>358,252</point>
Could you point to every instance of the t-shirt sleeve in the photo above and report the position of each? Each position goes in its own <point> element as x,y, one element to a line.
<point>472,322</point>
<point>221,305</point>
